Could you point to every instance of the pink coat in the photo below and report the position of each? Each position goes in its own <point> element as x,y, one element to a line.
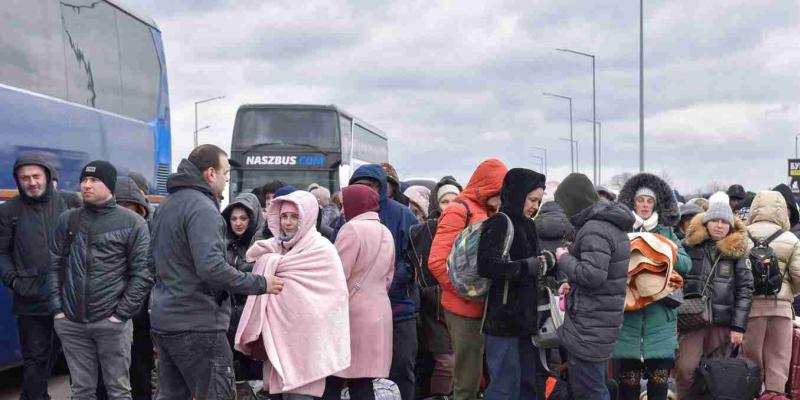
<point>366,248</point>
<point>302,333</point>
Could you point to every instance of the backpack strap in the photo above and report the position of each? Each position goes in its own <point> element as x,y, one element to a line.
<point>772,237</point>
<point>73,228</point>
<point>466,206</point>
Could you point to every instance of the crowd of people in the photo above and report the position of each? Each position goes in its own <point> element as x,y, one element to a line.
<point>299,294</point>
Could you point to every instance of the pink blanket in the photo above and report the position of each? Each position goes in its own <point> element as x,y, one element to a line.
<point>303,333</point>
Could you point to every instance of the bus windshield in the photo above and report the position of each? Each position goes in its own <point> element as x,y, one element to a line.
<point>286,126</point>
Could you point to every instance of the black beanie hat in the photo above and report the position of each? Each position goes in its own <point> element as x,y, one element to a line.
<point>575,193</point>
<point>102,170</point>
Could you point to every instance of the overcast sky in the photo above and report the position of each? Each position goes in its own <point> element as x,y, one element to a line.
<point>455,82</point>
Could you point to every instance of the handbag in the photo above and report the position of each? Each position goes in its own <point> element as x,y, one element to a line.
<point>696,312</point>
<point>726,378</point>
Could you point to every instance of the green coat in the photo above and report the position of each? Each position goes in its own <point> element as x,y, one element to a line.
<point>652,332</point>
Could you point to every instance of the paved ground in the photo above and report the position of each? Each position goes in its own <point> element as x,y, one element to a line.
<point>9,385</point>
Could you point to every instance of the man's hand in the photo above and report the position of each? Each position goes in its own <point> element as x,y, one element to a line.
<point>560,252</point>
<point>115,319</point>
<point>59,316</point>
<point>564,289</point>
<point>737,338</point>
<point>274,285</point>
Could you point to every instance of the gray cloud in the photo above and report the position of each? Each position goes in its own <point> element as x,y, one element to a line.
<point>455,83</point>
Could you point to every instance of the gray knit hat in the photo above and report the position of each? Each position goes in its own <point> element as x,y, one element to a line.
<point>719,208</point>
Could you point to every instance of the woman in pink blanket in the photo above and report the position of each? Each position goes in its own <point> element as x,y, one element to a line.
<point>303,333</point>
<point>366,248</point>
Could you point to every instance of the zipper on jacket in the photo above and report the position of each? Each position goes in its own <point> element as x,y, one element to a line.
<point>641,338</point>
<point>88,256</point>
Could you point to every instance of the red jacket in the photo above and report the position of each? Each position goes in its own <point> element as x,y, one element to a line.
<point>486,181</point>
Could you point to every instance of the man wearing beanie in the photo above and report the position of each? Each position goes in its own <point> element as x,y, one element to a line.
<point>190,303</point>
<point>98,280</point>
<point>596,268</point>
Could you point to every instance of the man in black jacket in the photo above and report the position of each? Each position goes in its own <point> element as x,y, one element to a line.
<point>25,224</point>
<point>98,279</point>
<point>190,305</point>
<point>596,268</point>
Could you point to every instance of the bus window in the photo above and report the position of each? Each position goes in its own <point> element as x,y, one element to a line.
<point>90,35</point>
<point>40,67</point>
<point>286,126</point>
<point>368,146</point>
<point>346,129</point>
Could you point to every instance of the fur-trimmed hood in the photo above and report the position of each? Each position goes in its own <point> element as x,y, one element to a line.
<point>735,245</point>
<point>666,205</point>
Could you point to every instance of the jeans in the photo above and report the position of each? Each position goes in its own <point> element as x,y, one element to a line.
<point>588,379</point>
<point>360,389</point>
<point>103,343</point>
<point>195,365</point>
<point>404,352</point>
<point>514,369</point>
<point>39,345</point>
<point>142,362</point>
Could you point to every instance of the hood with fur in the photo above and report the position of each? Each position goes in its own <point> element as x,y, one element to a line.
<point>666,205</point>
<point>734,245</point>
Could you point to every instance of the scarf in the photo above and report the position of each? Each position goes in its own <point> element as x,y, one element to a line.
<point>645,225</point>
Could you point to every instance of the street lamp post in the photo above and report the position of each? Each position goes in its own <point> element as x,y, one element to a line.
<point>571,137</point>
<point>577,159</point>
<point>795,145</point>
<point>195,115</point>
<point>544,151</point>
<point>595,157</point>
<point>541,162</point>
<point>641,85</point>
<point>599,148</point>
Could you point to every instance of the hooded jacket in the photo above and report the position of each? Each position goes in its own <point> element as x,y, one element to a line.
<point>597,270</point>
<point>236,246</point>
<point>486,181</point>
<point>127,191</point>
<point>768,215</point>
<point>791,205</point>
<point>105,271</point>
<point>649,332</point>
<point>514,278</point>
<point>398,219</point>
<point>553,227</point>
<point>731,289</point>
<point>192,275</point>
<point>26,225</point>
<point>434,211</point>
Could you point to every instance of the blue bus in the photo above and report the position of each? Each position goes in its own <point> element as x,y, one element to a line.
<point>301,144</point>
<point>79,80</point>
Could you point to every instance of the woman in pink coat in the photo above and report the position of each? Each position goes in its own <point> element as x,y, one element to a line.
<point>366,248</point>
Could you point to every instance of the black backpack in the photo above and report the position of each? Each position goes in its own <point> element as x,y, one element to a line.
<point>420,240</point>
<point>767,275</point>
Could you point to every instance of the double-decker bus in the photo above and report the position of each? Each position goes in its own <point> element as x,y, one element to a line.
<point>79,80</point>
<point>300,145</point>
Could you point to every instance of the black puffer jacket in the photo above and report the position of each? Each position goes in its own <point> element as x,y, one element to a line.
<point>237,245</point>
<point>731,288</point>
<point>106,269</point>
<point>25,227</point>
<point>512,300</point>
<point>553,227</point>
<point>597,269</point>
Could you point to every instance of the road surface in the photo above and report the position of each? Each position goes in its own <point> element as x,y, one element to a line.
<point>9,385</point>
